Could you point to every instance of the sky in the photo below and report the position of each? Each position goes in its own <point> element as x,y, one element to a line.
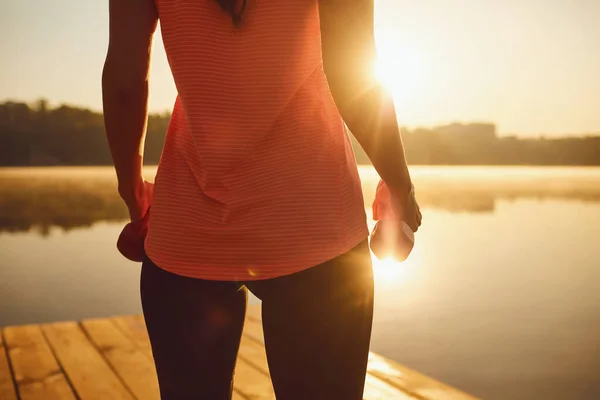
<point>530,66</point>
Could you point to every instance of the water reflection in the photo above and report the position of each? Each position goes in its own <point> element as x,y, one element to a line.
<point>41,198</point>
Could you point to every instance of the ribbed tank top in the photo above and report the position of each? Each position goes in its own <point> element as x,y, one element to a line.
<point>257,178</point>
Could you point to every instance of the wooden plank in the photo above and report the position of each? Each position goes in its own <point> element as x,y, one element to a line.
<point>237,396</point>
<point>90,375</point>
<point>134,367</point>
<point>251,382</point>
<point>53,387</point>
<point>376,389</point>
<point>411,381</point>
<point>37,373</point>
<point>7,387</point>
<point>253,313</point>
<point>134,328</point>
<point>254,354</point>
<point>253,330</point>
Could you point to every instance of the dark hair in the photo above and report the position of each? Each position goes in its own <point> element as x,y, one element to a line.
<point>229,6</point>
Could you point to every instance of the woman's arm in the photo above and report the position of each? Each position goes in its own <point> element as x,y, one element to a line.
<point>348,42</point>
<point>125,94</point>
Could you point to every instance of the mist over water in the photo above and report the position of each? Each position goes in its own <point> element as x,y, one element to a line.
<point>40,198</point>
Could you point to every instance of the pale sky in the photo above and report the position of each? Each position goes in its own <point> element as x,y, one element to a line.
<point>530,66</point>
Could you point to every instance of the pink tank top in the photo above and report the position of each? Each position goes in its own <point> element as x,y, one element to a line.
<point>257,178</point>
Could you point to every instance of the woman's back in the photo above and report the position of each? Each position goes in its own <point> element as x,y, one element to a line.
<point>257,177</point>
<point>235,85</point>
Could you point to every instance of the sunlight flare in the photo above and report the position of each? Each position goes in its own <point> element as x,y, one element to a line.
<point>399,65</point>
<point>392,272</point>
<point>399,71</point>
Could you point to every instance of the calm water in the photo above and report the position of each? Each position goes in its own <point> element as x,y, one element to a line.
<point>501,296</point>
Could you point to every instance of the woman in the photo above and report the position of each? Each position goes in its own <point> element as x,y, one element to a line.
<point>257,186</point>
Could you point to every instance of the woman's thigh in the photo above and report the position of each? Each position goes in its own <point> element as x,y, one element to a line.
<point>317,327</point>
<point>195,328</point>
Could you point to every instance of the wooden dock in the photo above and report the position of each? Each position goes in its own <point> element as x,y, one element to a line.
<point>110,358</point>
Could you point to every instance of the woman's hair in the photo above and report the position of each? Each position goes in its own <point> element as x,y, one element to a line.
<point>229,6</point>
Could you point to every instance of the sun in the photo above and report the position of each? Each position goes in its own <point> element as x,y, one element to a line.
<point>399,68</point>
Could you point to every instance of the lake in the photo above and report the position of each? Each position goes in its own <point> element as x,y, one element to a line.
<point>500,298</point>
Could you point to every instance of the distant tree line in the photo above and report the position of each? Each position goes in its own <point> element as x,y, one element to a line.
<point>64,135</point>
<point>42,135</point>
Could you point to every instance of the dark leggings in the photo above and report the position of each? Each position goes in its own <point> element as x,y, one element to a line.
<point>317,327</point>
